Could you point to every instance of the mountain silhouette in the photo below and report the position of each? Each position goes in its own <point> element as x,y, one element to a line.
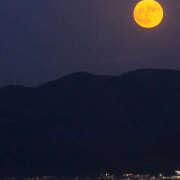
<point>82,123</point>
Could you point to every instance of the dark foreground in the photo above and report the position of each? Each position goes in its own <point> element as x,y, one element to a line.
<point>82,123</point>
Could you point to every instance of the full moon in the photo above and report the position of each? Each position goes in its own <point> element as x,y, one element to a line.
<point>148,13</point>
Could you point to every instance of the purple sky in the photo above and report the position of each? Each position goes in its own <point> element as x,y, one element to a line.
<point>41,40</point>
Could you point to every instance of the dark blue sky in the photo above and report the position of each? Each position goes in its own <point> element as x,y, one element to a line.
<point>41,40</point>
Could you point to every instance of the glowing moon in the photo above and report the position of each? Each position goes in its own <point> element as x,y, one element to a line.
<point>148,13</point>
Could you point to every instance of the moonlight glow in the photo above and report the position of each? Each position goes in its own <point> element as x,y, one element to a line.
<point>148,13</point>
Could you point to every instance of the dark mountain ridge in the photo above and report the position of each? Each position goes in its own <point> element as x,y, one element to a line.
<point>82,122</point>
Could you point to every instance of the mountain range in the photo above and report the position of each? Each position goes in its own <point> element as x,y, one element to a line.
<point>84,123</point>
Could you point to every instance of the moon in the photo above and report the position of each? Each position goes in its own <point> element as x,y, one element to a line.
<point>148,13</point>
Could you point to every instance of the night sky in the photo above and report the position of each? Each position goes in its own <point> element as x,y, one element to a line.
<point>42,40</point>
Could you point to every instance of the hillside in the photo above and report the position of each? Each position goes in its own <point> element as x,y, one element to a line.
<point>82,122</point>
